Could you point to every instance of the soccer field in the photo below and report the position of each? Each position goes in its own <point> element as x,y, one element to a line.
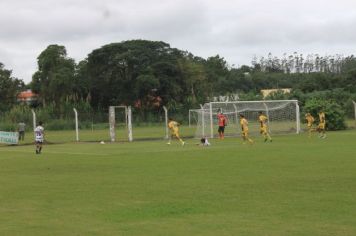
<point>293,186</point>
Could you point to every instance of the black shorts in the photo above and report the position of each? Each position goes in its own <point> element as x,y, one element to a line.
<point>221,129</point>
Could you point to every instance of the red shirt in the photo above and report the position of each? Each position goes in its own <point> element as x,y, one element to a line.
<point>222,120</point>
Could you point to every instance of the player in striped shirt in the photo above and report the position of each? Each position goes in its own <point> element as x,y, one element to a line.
<point>39,137</point>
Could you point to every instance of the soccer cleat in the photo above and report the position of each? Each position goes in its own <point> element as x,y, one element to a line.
<point>183,143</point>
<point>168,143</point>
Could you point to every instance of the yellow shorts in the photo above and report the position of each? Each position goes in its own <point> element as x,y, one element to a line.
<point>321,126</point>
<point>175,133</point>
<point>245,133</point>
<point>263,130</point>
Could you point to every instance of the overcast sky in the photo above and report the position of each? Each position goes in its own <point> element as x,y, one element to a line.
<point>235,29</point>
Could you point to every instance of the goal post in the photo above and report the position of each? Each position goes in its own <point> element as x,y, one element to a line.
<point>112,122</point>
<point>354,109</point>
<point>283,116</point>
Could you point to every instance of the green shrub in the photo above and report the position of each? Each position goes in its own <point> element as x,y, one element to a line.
<point>335,116</point>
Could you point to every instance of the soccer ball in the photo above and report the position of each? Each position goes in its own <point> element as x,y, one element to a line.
<point>102,142</point>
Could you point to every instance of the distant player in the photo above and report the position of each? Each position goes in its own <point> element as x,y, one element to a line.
<point>321,126</point>
<point>39,137</point>
<point>310,120</point>
<point>222,122</point>
<point>244,128</point>
<point>263,126</point>
<point>173,127</point>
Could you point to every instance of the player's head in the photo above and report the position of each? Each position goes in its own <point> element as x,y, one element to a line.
<point>260,113</point>
<point>307,114</point>
<point>242,116</point>
<point>202,140</point>
<point>170,119</point>
<point>40,123</point>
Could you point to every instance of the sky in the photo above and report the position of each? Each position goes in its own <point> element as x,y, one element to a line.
<point>237,30</point>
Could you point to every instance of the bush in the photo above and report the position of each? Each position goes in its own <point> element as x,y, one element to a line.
<point>334,114</point>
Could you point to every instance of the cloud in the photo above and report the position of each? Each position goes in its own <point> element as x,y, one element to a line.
<point>234,29</point>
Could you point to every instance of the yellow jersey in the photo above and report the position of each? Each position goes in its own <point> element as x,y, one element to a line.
<point>244,124</point>
<point>321,117</point>
<point>263,121</point>
<point>310,120</point>
<point>173,126</point>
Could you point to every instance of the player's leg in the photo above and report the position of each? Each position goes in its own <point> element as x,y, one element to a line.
<point>220,132</point>
<point>309,131</point>
<point>263,132</point>
<point>268,136</point>
<point>323,132</point>
<point>170,139</point>
<point>37,147</point>
<point>178,137</point>
<point>243,135</point>
<point>248,138</point>
<point>40,148</point>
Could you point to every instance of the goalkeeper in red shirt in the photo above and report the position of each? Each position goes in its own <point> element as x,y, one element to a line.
<point>222,122</point>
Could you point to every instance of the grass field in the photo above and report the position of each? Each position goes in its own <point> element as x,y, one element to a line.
<point>293,186</point>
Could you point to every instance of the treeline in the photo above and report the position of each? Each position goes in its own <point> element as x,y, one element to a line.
<point>150,74</point>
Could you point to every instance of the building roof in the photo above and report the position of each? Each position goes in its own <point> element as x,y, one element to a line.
<point>26,95</point>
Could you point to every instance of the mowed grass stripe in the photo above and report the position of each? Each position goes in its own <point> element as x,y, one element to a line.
<point>292,186</point>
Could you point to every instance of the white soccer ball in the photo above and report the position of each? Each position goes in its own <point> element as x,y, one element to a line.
<point>102,142</point>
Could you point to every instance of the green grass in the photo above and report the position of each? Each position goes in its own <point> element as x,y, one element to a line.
<point>293,186</point>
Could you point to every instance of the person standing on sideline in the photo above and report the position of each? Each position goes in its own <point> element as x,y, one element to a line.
<point>21,129</point>
<point>263,126</point>
<point>310,121</point>
<point>173,126</point>
<point>39,137</point>
<point>244,128</point>
<point>222,122</point>
<point>321,126</point>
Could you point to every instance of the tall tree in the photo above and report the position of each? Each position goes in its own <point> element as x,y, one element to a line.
<point>130,71</point>
<point>54,78</point>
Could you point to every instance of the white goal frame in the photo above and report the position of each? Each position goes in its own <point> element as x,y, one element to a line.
<point>207,109</point>
<point>128,122</point>
<point>354,108</point>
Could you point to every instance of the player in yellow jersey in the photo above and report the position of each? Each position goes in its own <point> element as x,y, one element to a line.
<point>310,120</point>
<point>263,126</point>
<point>173,127</point>
<point>244,128</point>
<point>321,126</point>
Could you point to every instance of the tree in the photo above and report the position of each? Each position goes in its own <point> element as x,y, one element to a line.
<point>55,76</point>
<point>128,72</point>
<point>9,88</point>
<point>217,72</point>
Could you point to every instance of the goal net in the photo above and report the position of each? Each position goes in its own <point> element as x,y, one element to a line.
<point>283,117</point>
